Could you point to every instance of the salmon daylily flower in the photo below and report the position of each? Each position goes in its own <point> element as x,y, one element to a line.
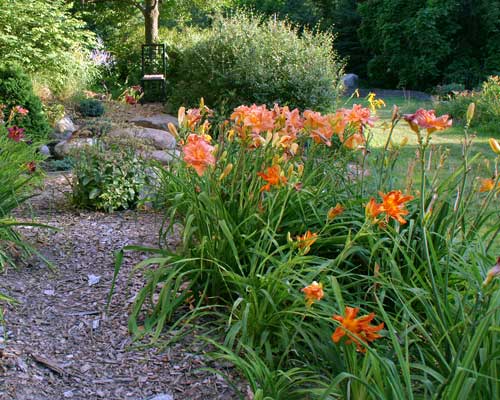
<point>305,241</point>
<point>335,211</point>
<point>256,119</point>
<point>15,133</point>
<point>20,110</point>
<point>359,116</point>
<point>494,271</point>
<point>198,153</point>
<point>319,127</point>
<point>426,119</point>
<point>356,330</point>
<point>273,177</point>
<point>313,292</point>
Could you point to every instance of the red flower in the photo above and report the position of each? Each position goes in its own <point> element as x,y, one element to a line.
<point>31,167</point>
<point>16,133</point>
<point>130,99</point>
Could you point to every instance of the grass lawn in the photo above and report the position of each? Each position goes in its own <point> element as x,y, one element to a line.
<point>448,141</point>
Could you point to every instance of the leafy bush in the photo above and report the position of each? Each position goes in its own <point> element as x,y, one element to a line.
<point>244,59</point>
<point>108,177</point>
<point>48,42</point>
<point>18,175</point>
<point>487,101</point>
<point>16,89</point>
<point>91,108</point>
<point>283,230</point>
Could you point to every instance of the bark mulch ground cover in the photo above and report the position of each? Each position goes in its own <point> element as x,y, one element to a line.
<point>57,341</point>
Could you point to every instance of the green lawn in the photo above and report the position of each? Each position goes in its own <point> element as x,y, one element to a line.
<point>449,141</point>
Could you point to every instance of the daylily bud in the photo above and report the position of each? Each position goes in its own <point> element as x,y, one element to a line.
<point>226,172</point>
<point>181,115</point>
<point>395,113</point>
<point>173,130</point>
<point>495,146</point>
<point>470,112</point>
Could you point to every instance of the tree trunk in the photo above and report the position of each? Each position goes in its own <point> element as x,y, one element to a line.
<point>151,15</point>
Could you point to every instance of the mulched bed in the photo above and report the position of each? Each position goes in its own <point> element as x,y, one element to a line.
<point>59,343</point>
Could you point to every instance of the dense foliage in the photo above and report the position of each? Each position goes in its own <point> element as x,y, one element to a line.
<point>243,59</point>
<point>16,90</point>
<point>108,176</point>
<point>48,42</point>
<point>487,101</point>
<point>323,280</point>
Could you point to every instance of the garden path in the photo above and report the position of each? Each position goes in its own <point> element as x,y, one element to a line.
<point>59,343</point>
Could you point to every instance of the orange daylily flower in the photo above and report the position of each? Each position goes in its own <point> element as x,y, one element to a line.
<point>313,292</point>
<point>305,241</point>
<point>392,205</point>
<point>356,330</point>
<point>335,211</point>
<point>372,209</point>
<point>355,140</point>
<point>198,153</point>
<point>318,126</point>
<point>426,119</point>
<point>273,177</point>
<point>487,185</point>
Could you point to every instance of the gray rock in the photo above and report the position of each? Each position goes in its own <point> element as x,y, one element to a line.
<point>44,150</point>
<point>158,121</point>
<point>66,147</point>
<point>159,139</point>
<point>65,124</point>
<point>161,397</point>
<point>350,81</point>
<point>162,156</point>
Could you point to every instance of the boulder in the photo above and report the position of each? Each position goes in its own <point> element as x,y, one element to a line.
<point>350,82</point>
<point>158,121</point>
<point>162,156</point>
<point>64,125</point>
<point>159,139</point>
<point>45,150</point>
<point>64,148</point>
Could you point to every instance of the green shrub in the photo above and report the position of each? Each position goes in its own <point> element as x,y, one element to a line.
<point>91,108</point>
<point>244,59</point>
<point>49,43</point>
<point>16,89</point>
<point>108,176</point>
<point>487,101</point>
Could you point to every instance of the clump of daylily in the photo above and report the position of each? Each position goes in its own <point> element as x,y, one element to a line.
<point>131,95</point>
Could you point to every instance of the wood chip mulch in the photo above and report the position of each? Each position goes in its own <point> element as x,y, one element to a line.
<point>57,341</point>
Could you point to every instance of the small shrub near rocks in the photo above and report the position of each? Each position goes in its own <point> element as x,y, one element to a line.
<point>108,176</point>
<point>16,90</point>
<point>91,108</point>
